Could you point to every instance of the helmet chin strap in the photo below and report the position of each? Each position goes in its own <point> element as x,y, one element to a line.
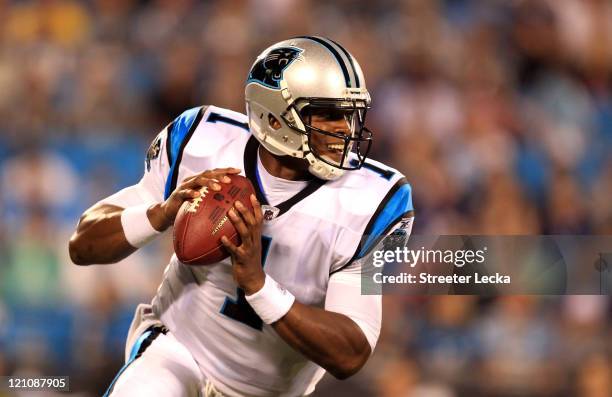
<point>323,170</point>
<point>319,168</point>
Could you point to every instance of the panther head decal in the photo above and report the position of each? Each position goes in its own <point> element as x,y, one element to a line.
<point>268,71</point>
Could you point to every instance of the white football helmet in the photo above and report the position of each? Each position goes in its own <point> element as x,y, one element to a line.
<point>297,78</point>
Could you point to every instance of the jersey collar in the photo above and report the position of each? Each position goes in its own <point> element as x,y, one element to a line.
<point>250,170</point>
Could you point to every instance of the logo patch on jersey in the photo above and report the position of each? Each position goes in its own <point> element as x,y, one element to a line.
<point>399,235</point>
<point>269,212</point>
<point>268,71</point>
<point>405,223</point>
<point>153,151</point>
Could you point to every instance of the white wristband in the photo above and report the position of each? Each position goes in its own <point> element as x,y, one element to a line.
<point>136,225</point>
<point>271,302</point>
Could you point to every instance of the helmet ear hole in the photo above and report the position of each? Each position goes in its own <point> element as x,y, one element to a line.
<point>274,122</point>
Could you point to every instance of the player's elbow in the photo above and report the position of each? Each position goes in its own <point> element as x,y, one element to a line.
<point>348,366</point>
<point>76,250</point>
<point>342,372</point>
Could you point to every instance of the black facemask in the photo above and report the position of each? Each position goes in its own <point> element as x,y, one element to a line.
<point>347,151</point>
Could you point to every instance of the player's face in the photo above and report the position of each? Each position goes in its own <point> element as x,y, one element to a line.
<point>328,146</point>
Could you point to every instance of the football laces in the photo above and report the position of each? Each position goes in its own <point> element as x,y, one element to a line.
<point>195,203</point>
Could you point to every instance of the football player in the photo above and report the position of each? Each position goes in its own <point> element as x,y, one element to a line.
<point>287,305</point>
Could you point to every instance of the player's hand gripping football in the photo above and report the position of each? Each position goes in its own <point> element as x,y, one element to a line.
<point>246,257</point>
<point>163,214</point>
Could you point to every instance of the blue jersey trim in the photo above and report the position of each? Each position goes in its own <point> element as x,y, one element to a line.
<point>181,132</point>
<point>398,204</point>
<point>133,354</point>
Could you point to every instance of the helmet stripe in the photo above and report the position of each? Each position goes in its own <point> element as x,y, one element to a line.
<point>335,53</point>
<point>350,58</point>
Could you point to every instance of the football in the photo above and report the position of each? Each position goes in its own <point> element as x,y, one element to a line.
<point>201,222</point>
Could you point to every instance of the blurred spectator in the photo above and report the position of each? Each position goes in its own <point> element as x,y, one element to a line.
<point>585,321</point>
<point>39,180</point>
<point>518,349</point>
<point>397,377</point>
<point>595,377</point>
<point>30,276</point>
<point>446,342</point>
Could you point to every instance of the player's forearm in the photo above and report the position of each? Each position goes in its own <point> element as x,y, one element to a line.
<point>332,340</point>
<point>99,237</point>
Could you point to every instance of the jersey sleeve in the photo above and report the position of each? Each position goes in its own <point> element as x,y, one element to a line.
<point>390,225</point>
<point>179,133</point>
<point>156,167</point>
<point>394,215</point>
<point>150,188</point>
<point>393,211</point>
<point>162,161</point>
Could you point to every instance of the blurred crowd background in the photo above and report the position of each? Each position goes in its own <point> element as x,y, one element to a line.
<point>499,113</point>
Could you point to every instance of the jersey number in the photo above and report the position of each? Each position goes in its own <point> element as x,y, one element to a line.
<point>239,309</point>
<point>383,173</point>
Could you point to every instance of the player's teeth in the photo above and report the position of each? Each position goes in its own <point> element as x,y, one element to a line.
<point>335,147</point>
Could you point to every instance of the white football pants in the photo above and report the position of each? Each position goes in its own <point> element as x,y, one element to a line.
<point>157,364</point>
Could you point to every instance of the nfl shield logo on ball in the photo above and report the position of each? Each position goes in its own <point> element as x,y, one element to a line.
<point>269,212</point>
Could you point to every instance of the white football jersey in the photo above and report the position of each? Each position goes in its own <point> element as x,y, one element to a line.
<point>321,230</point>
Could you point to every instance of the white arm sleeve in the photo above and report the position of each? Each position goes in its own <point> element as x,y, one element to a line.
<point>344,289</point>
<point>344,296</point>
<point>150,189</point>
